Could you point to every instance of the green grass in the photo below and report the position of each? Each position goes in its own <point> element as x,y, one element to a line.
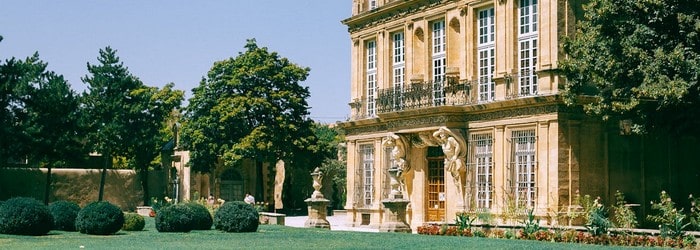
<point>268,237</point>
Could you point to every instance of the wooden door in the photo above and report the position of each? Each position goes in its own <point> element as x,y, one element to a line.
<point>436,190</point>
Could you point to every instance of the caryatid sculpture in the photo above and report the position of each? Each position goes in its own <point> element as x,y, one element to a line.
<point>398,157</point>
<point>454,148</point>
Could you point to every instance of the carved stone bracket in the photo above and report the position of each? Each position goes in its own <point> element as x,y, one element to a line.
<point>455,149</point>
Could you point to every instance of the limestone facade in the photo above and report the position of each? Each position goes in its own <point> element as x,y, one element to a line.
<point>485,72</point>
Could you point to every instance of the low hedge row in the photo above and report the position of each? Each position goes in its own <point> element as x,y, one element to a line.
<point>28,216</point>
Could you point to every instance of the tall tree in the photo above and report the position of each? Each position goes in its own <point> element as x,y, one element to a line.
<point>250,106</point>
<point>640,61</point>
<point>41,110</point>
<point>147,120</point>
<point>108,106</point>
<point>15,76</point>
<point>52,121</point>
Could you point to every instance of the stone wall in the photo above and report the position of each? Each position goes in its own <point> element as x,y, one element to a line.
<point>122,187</point>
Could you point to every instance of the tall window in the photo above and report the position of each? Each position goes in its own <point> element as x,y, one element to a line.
<point>371,78</point>
<point>486,57</point>
<point>367,153</point>
<point>372,4</point>
<point>527,46</point>
<point>439,60</point>
<point>399,68</point>
<point>483,158</point>
<point>523,142</point>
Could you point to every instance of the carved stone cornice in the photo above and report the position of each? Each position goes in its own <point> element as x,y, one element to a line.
<point>389,12</point>
<point>441,117</point>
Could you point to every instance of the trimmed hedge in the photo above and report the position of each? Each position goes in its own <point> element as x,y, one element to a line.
<point>99,218</point>
<point>236,216</point>
<point>25,216</point>
<point>64,214</point>
<point>175,218</point>
<point>133,222</point>
<point>202,218</point>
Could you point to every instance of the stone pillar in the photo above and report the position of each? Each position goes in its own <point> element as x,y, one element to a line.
<point>395,207</point>
<point>317,213</point>
<point>395,216</point>
<point>317,205</point>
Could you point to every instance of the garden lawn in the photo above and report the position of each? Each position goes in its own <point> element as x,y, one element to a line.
<point>269,237</point>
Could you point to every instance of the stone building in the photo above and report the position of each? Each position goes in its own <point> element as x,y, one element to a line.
<point>474,85</point>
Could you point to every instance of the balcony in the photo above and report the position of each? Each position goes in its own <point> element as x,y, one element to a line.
<point>423,95</point>
<point>452,92</point>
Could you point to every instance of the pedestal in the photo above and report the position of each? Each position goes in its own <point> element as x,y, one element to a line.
<point>395,216</point>
<point>317,213</point>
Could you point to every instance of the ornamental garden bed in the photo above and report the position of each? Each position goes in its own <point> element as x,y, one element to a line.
<point>674,225</point>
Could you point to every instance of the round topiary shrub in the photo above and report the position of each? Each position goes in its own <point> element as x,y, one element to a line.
<point>202,218</point>
<point>25,216</point>
<point>175,218</point>
<point>99,218</point>
<point>236,216</point>
<point>64,213</point>
<point>133,222</point>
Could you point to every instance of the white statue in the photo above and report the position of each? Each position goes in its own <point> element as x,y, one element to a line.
<point>317,175</point>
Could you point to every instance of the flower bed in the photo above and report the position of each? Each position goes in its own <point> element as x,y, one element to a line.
<point>562,235</point>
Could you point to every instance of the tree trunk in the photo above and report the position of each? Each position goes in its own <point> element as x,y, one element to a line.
<point>144,183</point>
<point>47,190</point>
<point>107,160</point>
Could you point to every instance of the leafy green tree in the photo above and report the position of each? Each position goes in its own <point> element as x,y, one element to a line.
<point>251,107</point>
<point>42,111</point>
<point>148,117</point>
<point>331,151</point>
<point>52,124</point>
<point>15,76</point>
<point>639,60</point>
<point>125,117</point>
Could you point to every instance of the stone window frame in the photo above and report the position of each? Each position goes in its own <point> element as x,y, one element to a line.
<point>486,52</point>
<point>371,82</point>
<point>527,31</point>
<point>523,166</point>
<point>366,168</point>
<point>438,53</point>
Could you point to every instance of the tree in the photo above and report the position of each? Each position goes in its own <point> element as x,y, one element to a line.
<point>146,129</point>
<point>52,125</point>
<point>639,60</point>
<point>331,151</point>
<point>124,116</point>
<point>15,76</point>
<point>250,107</point>
<point>39,115</point>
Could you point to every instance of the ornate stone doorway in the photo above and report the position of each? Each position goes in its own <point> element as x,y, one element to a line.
<point>436,185</point>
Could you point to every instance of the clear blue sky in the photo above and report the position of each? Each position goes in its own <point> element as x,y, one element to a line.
<point>178,41</point>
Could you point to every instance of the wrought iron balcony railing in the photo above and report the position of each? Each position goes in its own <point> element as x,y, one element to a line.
<point>521,84</point>
<point>423,95</point>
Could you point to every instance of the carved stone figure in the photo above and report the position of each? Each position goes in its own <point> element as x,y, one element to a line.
<point>454,148</point>
<point>317,176</point>
<point>398,156</point>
